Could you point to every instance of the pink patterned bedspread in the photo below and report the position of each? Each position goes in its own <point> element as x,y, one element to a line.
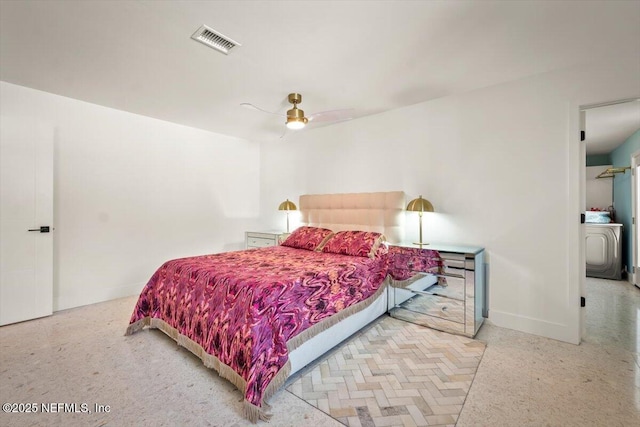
<point>243,307</point>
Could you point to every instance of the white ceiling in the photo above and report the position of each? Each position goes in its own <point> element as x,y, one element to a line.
<point>372,56</point>
<point>607,127</point>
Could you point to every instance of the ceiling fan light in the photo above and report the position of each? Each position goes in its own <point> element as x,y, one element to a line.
<point>295,124</point>
<point>296,118</point>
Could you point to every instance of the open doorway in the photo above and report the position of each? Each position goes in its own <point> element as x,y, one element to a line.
<point>611,139</point>
<point>610,181</point>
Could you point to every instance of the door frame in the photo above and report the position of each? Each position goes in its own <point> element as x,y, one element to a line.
<point>635,177</point>
<point>576,266</point>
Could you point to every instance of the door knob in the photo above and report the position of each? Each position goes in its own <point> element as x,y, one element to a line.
<point>43,229</point>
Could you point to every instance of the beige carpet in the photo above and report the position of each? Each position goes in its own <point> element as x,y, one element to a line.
<point>394,374</point>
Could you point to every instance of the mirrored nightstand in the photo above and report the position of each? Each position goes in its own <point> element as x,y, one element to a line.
<point>451,300</point>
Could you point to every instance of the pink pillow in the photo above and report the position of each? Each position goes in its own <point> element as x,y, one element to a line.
<point>309,238</point>
<point>355,243</point>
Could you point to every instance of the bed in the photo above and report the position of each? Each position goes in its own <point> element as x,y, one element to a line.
<point>258,316</point>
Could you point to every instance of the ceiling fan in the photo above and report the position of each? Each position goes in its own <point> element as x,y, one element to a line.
<point>295,118</point>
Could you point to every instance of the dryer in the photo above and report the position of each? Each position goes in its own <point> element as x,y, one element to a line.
<point>603,250</point>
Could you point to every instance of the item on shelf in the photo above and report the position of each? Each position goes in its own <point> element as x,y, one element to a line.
<point>597,217</point>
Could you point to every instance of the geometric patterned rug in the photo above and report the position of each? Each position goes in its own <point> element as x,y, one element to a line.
<point>393,373</point>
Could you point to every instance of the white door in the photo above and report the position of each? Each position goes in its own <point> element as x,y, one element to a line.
<point>26,202</point>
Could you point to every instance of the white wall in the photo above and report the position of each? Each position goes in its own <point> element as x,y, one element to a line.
<point>501,166</point>
<point>599,191</point>
<point>132,192</point>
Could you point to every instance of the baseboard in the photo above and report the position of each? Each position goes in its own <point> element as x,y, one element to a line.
<point>63,302</point>
<point>544,328</point>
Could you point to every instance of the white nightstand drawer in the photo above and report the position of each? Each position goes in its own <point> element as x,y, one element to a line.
<point>263,239</point>
<point>259,242</point>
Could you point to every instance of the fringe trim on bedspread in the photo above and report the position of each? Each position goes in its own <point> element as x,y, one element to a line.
<point>137,326</point>
<point>250,411</point>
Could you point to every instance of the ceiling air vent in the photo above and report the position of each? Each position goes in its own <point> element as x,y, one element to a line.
<point>214,39</point>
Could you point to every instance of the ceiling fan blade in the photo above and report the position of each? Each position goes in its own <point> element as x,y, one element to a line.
<point>333,115</point>
<point>253,107</point>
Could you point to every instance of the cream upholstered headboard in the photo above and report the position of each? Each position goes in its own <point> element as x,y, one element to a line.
<point>382,212</point>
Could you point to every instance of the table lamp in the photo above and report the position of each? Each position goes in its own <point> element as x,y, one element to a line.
<point>420,205</point>
<point>287,206</point>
